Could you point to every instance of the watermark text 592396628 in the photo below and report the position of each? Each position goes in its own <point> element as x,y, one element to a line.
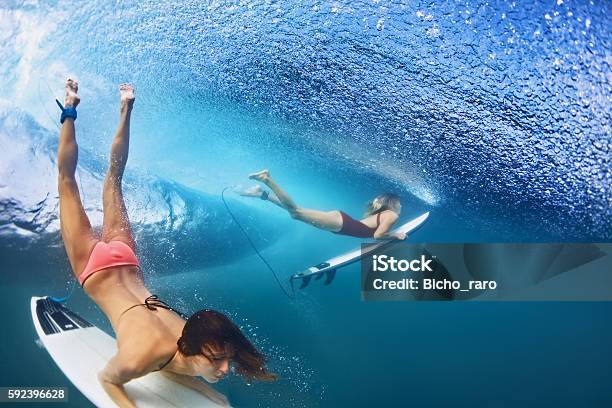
<point>33,394</point>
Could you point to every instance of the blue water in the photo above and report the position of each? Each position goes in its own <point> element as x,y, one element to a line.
<point>493,116</point>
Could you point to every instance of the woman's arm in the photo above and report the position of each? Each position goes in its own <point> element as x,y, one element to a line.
<point>116,373</point>
<point>387,219</point>
<point>199,386</point>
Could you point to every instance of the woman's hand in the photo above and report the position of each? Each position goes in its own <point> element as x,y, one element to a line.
<point>198,386</point>
<point>400,235</point>
<point>216,397</point>
<point>115,391</point>
<point>119,370</point>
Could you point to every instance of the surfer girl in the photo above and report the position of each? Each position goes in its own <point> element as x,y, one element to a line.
<point>380,216</point>
<point>151,336</point>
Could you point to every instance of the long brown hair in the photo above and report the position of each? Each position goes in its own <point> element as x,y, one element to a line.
<point>209,327</point>
<point>385,201</point>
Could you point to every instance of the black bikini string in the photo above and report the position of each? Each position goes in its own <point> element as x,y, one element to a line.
<point>152,303</point>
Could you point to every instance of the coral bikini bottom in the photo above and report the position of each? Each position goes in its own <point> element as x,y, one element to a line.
<point>106,255</point>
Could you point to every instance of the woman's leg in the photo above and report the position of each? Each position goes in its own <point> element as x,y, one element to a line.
<point>77,233</point>
<point>327,220</point>
<point>116,225</point>
<point>258,192</point>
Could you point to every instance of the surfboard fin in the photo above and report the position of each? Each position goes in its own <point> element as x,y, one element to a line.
<point>305,282</point>
<point>329,277</point>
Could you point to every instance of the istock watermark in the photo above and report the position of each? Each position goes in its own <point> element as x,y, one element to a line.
<point>490,271</point>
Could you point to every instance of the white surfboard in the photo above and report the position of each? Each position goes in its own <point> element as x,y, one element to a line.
<point>330,266</point>
<point>81,350</point>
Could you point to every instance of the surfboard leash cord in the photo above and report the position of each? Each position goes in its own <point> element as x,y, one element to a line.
<point>65,298</point>
<point>289,295</point>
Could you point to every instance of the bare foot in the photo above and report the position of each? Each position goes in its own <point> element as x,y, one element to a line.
<point>71,99</point>
<point>255,191</point>
<point>262,176</point>
<point>126,92</point>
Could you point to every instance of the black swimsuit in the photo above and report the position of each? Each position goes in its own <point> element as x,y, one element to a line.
<point>354,228</point>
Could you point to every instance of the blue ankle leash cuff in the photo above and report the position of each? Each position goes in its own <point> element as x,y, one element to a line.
<point>69,112</point>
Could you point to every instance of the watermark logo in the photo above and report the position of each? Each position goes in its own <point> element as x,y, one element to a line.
<point>487,271</point>
<point>383,263</point>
